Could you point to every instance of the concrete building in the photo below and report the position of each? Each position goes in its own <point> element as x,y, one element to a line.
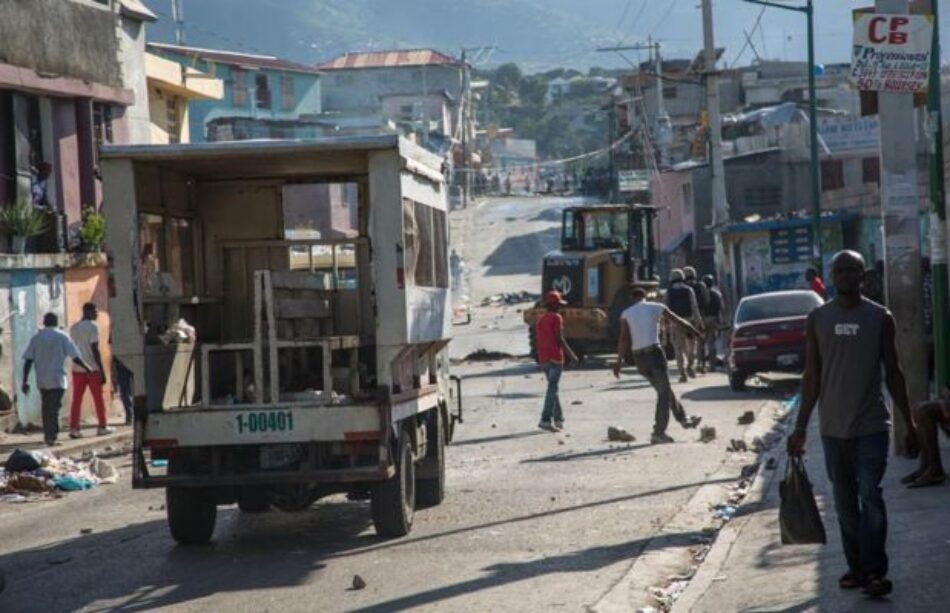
<point>69,76</point>
<point>419,91</point>
<point>260,91</point>
<point>172,88</point>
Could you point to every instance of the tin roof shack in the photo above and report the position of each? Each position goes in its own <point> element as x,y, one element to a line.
<point>209,216</point>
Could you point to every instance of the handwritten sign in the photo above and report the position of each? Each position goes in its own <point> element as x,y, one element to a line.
<point>891,53</point>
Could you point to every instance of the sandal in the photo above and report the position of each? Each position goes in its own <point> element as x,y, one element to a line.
<point>925,481</point>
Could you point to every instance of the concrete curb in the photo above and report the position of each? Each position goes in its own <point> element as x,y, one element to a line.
<point>665,557</point>
<point>93,443</point>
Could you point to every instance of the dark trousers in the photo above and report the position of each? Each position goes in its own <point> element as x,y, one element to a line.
<point>52,402</point>
<point>855,467</point>
<point>651,363</point>
<point>123,380</point>
<point>552,403</point>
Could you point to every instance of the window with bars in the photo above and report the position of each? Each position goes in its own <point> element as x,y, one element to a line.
<point>172,123</point>
<point>102,123</point>
<point>832,175</point>
<point>871,170</point>
<point>238,87</point>
<point>262,91</point>
<point>287,92</point>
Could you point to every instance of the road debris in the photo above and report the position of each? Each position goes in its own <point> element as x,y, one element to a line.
<point>707,434</point>
<point>510,298</point>
<point>619,435</point>
<point>576,402</point>
<point>358,582</point>
<point>746,418</point>
<point>737,445</point>
<point>749,470</point>
<point>33,475</point>
<point>483,355</point>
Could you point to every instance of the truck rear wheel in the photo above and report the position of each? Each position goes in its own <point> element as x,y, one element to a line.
<point>430,491</point>
<point>191,512</point>
<point>393,501</point>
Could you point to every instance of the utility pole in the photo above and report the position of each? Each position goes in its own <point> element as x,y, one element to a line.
<point>178,16</point>
<point>938,215</point>
<point>809,12</point>
<point>466,99</point>
<point>720,209</point>
<point>900,204</point>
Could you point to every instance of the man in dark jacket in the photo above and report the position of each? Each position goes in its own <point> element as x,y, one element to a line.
<point>712,319</point>
<point>681,300</point>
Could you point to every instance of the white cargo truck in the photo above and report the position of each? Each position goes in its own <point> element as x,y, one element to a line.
<point>283,308</point>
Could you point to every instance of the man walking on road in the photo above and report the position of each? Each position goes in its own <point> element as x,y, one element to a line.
<point>712,319</point>
<point>49,349</point>
<point>681,300</point>
<point>85,334</point>
<point>702,303</point>
<point>640,334</point>
<point>847,341</point>
<point>551,347</point>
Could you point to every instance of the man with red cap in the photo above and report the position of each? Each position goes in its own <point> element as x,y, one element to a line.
<point>551,347</point>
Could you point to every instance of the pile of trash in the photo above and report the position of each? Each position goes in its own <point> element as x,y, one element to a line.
<point>33,475</point>
<point>510,298</point>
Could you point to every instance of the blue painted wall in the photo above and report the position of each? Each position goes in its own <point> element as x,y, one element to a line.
<point>306,88</point>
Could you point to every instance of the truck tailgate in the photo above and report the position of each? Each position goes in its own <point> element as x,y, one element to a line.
<point>263,425</point>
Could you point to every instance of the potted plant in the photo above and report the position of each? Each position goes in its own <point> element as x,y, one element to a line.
<point>92,233</point>
<point>21,221</point>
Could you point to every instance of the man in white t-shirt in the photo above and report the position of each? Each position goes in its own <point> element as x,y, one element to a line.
<point>640,334</point>
<point>85,334</point>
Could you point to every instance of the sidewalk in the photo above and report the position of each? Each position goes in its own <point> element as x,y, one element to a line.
<point>749,569</point>
<point>68,447</point>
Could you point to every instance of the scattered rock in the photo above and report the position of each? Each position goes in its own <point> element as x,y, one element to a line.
<point>771,464</point>
<point>553,498</point>
<point>620,435</point>
<point>85,531</point>
<point>749,470</point>
<point>737,445</point>
<point>358,582</point>
<point>746,418</point>
<point>483,355</point>
<point>707,434</point>
<point>493,426</point>
<point>576,402</point>
<point>560,442</point>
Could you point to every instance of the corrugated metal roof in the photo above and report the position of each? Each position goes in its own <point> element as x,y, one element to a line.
<point>385,59</point>
<point>247,60</point>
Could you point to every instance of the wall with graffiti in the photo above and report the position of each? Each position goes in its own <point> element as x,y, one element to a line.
<point>762,270</point>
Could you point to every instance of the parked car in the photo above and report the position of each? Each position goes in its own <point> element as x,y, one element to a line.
<point>768,334</point>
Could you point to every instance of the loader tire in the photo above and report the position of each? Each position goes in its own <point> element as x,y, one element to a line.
<point>393,501</point>
<point>431,490</point>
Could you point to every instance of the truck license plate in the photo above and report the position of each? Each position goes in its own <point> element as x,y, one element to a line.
<point>265,421</point>
<point>788,359</point>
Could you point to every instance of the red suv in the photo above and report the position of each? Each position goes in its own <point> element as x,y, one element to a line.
<point>769,334</point>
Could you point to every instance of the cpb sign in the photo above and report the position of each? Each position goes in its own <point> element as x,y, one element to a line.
<point>891,53</point>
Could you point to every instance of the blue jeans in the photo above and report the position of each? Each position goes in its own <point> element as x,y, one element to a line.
<point>552,404</point>
<point>651,363</point>
<point>855,468</point>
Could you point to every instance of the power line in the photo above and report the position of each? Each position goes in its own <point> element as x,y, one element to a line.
<point>748,39</point>
<point>665,16</point>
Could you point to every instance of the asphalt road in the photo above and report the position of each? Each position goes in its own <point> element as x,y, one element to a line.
<point>532,520</point>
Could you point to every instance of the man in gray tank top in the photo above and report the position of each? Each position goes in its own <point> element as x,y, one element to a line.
<point>848,339</point>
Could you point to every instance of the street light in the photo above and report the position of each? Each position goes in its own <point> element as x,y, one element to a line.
<point>809,12</point>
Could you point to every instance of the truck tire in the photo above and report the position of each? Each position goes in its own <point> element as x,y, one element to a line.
<point>191,512</point>
<point>253,501</point>
<point>393,501</point>
<point>431,491</point>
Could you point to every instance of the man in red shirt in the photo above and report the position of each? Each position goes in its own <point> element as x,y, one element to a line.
<point>815,283</point>
<point>549,333</point>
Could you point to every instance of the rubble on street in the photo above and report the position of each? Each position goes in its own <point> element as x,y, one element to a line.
<point>29,476</point>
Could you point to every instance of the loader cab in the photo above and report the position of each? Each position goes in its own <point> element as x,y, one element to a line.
<point>624,231</point>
